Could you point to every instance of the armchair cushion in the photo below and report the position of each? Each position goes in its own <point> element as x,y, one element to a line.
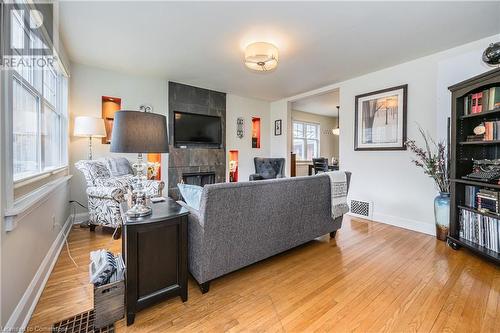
<point>104,192</point>
<point>118,166</point>
<point>121,181</point>
<point>255,176</point>
<point>93,171</point>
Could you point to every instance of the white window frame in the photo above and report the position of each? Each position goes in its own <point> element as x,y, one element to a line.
<point>16,206</point>
<point>304,138</point>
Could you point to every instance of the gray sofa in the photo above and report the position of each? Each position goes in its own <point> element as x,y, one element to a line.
<point>239,224</point>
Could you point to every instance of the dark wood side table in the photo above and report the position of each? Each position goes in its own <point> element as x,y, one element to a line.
<point>155,253</point>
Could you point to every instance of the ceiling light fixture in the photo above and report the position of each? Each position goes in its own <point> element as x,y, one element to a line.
<point>261,56</point>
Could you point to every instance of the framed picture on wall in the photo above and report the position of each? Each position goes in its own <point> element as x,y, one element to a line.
<point>380,119</point>
<point>277,127</point>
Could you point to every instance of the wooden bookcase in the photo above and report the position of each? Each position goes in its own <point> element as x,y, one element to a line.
<point>463,153</point>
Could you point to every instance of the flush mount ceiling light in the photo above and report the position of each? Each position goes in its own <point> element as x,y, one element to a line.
<point>261,56</point>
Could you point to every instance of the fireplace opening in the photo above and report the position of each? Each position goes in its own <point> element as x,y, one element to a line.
<point>198,178</point>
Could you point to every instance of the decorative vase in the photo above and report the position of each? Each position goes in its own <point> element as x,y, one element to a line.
<point>442,215</point>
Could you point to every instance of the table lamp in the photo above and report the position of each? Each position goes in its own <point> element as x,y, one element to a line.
<point>139,132</point>
<point>89,127</point>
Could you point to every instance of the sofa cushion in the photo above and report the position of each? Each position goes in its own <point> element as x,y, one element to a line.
<point>191,194</point>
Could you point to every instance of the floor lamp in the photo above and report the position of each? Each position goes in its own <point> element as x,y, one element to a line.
<point>89,127</point>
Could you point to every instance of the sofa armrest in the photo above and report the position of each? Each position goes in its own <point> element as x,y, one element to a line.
<point>106,192</point>
<point>255,176</point>
<point>197,260</point>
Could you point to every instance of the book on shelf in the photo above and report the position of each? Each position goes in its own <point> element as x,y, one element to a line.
<point>479,229</point>
<point>494,98</point>
<point>486,100</point>
<point>482,199</point>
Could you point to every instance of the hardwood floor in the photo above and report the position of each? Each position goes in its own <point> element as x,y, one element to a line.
<point>371,278</point>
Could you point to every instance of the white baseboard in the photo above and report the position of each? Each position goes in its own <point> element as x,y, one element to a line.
<point>414,225</point>
<point>81,217</point>
<point>21,315</point>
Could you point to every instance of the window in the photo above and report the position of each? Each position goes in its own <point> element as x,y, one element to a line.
<point>39,112</point>
<point>305,140</point>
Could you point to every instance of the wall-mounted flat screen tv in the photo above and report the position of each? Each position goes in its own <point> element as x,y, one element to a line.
<point>196,129</point>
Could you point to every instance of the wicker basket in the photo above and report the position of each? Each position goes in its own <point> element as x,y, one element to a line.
<point>109,303</point>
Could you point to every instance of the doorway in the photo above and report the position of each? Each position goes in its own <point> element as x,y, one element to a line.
<point>315,131</point>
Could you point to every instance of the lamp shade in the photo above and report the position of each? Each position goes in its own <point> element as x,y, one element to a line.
<point>261,56</point>
<point>89,127</point>
<point>139,132</point>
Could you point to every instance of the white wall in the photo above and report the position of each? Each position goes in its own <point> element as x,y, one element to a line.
<point>281,144</point>
<point>247,108</point>
<point>87,86</point>
<point>28,252</point>
<point>401,193</point>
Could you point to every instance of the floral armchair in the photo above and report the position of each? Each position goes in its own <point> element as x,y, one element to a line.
<point>107,186</point>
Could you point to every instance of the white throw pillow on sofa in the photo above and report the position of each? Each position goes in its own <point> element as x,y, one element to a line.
<point>191,194</point>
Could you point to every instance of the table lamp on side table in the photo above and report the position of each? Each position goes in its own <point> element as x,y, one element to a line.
<point>89,127</point>
<point>139,132</point>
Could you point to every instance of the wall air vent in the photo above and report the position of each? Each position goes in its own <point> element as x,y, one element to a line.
<point>361,208</point>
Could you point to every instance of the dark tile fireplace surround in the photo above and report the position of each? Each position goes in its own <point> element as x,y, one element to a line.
<point>197,165</point>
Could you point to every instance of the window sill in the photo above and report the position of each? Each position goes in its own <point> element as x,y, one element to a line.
<point>39,176</point>
<point>26,204</point>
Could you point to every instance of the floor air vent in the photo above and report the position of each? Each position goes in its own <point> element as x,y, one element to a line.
<point>361,208</point>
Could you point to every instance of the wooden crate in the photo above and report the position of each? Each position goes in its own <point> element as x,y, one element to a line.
<point>109,303</point>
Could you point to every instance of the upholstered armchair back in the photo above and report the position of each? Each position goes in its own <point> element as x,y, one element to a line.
<point>93,171</point>
<point>269,168</point>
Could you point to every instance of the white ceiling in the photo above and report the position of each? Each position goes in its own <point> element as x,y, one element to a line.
<point>320,43</point>
<point>323,104</point>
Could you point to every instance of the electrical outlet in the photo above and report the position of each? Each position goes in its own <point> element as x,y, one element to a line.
<point>54,224</point>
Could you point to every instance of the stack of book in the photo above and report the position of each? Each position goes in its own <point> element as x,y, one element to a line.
<point>486,100</point>
<point>492,130</point>
<point>482,199</point>
<point>487,200</point>
<point>479,229</point>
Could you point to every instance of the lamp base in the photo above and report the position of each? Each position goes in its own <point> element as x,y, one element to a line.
<point>139,210</point>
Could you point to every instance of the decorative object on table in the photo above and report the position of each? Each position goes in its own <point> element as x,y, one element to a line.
<point>110,105</point>
<point>277,127</point>
<point>153,169</point>
<point>108,180</point>
<point>240,127</point>
<point>336,130</point>
<point>145,108</point>
<point>89,127</point>
<point>380,119</point>
<point>261,56</point>
<point>491,55</point>
<point>81,323</point>
<point>139,132</point>
<point>335,161</point>
<point>434,161</point>
<point>155,256</point>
